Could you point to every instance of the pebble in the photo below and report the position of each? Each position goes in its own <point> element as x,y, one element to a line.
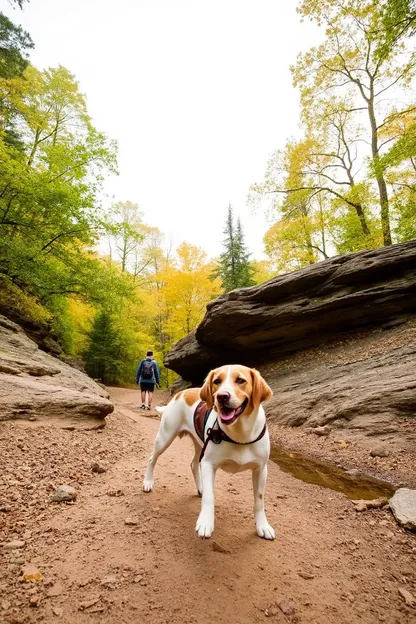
<point>17,560</point>
<point>379,451</point>
<point>286,607</point>
<point>64,493</point>
<point>131,522</point>
<point>14,545</point>
<point>55,590</point>
<point>99,467</point>
<point>218,548</point>
<point>306,575</point>
<point>5,605</point>
<point>34,601</point>
<point>58,611</point>
<point>110,579</point>
<point>408,598</point>
<point>31,574</point>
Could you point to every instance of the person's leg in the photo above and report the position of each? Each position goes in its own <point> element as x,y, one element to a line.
<point>149,400</point>
<point>143,393</point>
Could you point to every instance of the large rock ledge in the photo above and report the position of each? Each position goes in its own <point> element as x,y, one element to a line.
<point>35,385</point>
<point>301,310</point>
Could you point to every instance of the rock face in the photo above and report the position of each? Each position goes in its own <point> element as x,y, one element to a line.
<point>35,385</point>
<point>403,506</point>
<point>336,341</point>
<point>301,309</point>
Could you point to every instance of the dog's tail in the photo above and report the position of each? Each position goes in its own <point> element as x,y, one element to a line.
<point>160,409</point>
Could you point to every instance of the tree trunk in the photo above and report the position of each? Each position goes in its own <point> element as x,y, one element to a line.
<point>381,183</point>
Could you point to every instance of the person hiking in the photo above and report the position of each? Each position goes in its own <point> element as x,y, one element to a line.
<point>147,376</point>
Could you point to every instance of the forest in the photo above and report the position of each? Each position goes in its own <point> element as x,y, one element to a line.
<point>107,284</point>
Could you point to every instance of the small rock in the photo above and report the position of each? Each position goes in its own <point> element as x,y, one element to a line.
<point>17,560</point>
<point>273,611</point>
<point>99,467</point>
<point>286,607</point>
<point>64,493</point>
<point>58,611</point>
<point>32,418</point>
<point>5,508</point>
<point>108,580</point>
<point>218,548</point>
<point>131,522</point>
<point>88,603</point>
<point>403,506</point>
<point>34,601</point>
<point>115,493</point>
<point>31,574</point>
<point>55,590</point>
<point>138,578</point>
<point>5,605</point>
<point>321,431</point>
<point>408,598</point>
<point>379,451</point>
<point>376,503</point>
<point>353,472</point>
<point>306,575</point>
<point>14,545</point>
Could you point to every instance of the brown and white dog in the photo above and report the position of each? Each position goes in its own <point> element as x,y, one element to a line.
<point>235,394</point>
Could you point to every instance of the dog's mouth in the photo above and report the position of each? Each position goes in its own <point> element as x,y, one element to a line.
<point>229,415</point>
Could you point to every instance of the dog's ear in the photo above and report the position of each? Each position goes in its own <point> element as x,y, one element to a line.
<point>206,390</point>
<point>261,391</point>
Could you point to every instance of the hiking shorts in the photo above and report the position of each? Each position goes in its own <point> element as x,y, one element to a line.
<point>147,386</point>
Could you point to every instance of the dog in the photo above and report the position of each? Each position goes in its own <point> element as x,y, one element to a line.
<point>234,437</point>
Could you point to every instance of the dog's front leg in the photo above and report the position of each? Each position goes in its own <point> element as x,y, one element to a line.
<point>263,528</point>
<point>205,523</point>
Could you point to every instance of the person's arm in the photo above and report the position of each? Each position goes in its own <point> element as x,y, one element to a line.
<point>139,370</point>
<point>156,369</point>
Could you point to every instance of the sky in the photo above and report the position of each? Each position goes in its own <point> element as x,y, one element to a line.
<point>197,93</point>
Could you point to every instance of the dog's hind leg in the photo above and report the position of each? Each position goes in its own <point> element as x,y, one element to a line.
<point>195,466</point>
<point>165,436</point>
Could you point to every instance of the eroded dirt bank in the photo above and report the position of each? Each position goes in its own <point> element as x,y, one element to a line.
<point>329,564</point>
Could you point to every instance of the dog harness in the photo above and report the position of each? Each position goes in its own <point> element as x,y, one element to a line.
<point>214,433</point>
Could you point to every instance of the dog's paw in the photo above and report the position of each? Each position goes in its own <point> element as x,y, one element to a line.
<point>147,485</point>
<point>204,526</point>
<point>265,530</point>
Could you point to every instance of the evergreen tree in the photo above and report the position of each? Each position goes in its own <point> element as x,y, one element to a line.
<point>104,358</point>
<point>234,267</point>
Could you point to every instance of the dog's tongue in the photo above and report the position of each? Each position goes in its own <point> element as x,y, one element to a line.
<point>228,414</point>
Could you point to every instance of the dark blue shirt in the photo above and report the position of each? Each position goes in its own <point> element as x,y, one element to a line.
<point>156,376</point>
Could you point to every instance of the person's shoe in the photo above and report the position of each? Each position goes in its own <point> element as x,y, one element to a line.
<point>148,407</point>
<point>142,406</point>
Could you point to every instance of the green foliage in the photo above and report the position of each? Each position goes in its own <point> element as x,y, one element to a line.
<point>234,267</point>
<point>398,20</point>
<point>104,356</point>
<point>15,44</point>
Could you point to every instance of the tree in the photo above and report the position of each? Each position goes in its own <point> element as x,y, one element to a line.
<point>49,214</point>
<point>15,44</point>
<point>126,233</point>
<point>347,63</point>
<point>104,356</point>
<point>234,266</point>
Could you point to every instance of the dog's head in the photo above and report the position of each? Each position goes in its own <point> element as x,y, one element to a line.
<point>234,391</point>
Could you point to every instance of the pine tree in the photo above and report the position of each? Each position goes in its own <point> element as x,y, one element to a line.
<point>104,358</point>
<point>234,267</point>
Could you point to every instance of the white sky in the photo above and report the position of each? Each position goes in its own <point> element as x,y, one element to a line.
<point>197,93</point>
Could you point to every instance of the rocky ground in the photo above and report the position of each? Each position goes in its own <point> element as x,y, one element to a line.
<point>116,555</point>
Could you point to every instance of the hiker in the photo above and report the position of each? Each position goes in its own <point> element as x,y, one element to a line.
<point>147,376</point>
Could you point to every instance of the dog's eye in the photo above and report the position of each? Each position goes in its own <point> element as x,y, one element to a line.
<point>240,381</point>
<point>216,381</point>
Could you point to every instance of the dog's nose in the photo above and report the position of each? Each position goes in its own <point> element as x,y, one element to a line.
<point>223,397</point>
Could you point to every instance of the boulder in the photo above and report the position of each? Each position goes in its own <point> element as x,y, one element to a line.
<point>35,385</point>
<point>403,506</point>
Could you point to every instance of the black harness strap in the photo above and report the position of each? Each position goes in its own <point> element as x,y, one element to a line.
<point>217,435</point>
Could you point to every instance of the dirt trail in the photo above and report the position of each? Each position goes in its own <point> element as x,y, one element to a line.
<point>329,564</point>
